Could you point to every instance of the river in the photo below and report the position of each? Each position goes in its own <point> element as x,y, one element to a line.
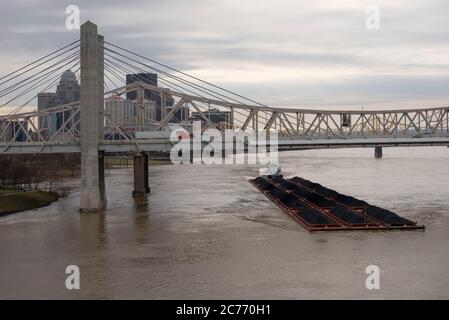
<point>206,233</point>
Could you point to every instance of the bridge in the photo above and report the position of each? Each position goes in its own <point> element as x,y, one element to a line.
<point>85,126</point>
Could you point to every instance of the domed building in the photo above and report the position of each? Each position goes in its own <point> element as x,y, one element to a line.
<point>68,76</point>
<point>67,91</point>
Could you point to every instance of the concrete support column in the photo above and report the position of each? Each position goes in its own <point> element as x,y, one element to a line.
<point>378,152</point>
<point>141,179</point>
<point>101,182</point>
<point>92,163</point>
<point>100,88</point>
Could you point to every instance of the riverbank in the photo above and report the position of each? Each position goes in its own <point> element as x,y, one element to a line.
<point>16,201</point>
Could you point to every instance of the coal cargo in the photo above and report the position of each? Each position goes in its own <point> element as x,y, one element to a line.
<point>320,201</point>
<point>386,216</point>
<point>318,208</point>
<point>314,217</point>
<point>348,216</point>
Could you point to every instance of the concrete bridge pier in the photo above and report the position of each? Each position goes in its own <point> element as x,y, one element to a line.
<point>101,182</point>
<point>378,152</point>
<point>92,193</point>
<point>141,179</point>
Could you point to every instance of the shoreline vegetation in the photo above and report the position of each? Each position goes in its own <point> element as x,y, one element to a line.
<point>34,181</point>
<point>31,181</point>
<point>12,201</point>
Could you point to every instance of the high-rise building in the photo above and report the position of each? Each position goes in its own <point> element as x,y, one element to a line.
<point>43,99</point>
<point>67,91</point>
<point>123,112</point>
<point>151,95</point>
<point>119,110</point>
<point>149,78</point>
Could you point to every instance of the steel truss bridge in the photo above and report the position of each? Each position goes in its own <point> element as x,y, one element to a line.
<point>297,128</point>
<point>87,127</point>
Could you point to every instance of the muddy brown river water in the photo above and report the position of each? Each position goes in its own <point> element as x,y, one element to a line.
<point>205,232</point>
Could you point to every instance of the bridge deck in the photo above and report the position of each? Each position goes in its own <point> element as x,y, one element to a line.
<point>164,145</point>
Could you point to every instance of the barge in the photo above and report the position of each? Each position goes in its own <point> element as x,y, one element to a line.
<point>318,208</point>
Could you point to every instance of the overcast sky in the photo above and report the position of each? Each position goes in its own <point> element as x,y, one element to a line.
<point>292,53</point>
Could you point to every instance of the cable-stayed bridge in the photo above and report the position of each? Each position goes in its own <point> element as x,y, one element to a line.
<point>85,126</point>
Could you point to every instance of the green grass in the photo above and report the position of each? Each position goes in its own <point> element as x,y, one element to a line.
<point>21,201</point>
<point>7,191</point>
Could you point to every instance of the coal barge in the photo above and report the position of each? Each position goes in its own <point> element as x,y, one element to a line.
<point>318,208</point>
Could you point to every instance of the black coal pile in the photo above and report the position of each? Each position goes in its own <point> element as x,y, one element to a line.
<point>264,184</point>
<point>313,216</point>
<point>386,216</point>
<point>288,185</point>
<point>350,201</point>
<point>320,201</point>
<point>302,192</point>
<point>348,216</point>
<point>277,193</point>
<point>292,201</point>
<point>327,192</point>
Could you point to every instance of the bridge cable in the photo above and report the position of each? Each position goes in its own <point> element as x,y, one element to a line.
<point>30,79</point>
<point>179,79</point>
<point>185,74</point>
<point>42,77</point>
<point>191,84</point>
<point>38,64</point>
<point>109,67</point>
<point>188,83</point>
<point>55,80</point>
<point>128,71</point>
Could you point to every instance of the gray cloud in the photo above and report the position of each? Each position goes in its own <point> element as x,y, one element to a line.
<point>321,52</point>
